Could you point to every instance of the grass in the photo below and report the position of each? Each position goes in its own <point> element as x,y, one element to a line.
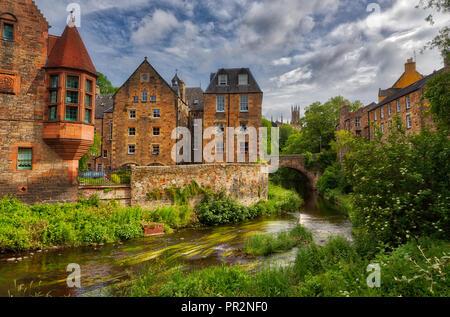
<point>417,268</point>
<point>88,222</point>
<point>265,244</point>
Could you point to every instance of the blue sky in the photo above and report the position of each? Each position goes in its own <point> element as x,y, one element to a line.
<point>300,51</point>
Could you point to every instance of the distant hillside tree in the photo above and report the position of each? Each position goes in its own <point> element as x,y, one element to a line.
<point>106,87</point>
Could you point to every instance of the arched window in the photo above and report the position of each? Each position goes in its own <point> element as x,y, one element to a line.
<point>8,26</point>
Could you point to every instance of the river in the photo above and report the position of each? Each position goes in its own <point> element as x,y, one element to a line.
<point>45,272</point>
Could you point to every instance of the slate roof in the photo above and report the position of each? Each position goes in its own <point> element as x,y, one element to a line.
<point>232,86</point>
<point>406,91</point>
<point>103,103</point>
<point>69,52</point>
<point>193,94</point>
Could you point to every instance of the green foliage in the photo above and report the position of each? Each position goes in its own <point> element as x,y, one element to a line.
<point>318,127</point>
<point>93,151</point>
<point>286,131</point>
<point>438,93</point>
<point>267,146</point>
<point>173,216</point>
<point>400,187</point>
<point>265,244</point>
<point>155,194</point>
<point>290,179</point>
<point>333,178</point>
<point>215,209</point>
<point>106,88</point>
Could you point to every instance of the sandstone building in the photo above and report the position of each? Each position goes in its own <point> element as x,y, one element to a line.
<point>136,123</point>
<point>233,99</point>
<point>47,101</point>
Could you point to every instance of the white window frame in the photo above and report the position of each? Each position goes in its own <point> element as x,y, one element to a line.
<point>221,98</point>
<point>129,149</point>
<point>243,103</point>
<point>105,153</point>
<point>129,131</point>
<point>408,122</point>
<point>382,113</point>
<point>358,122</point>
<point>399,107</point>
<point>129,115</point>
<point>153,113</point>
<point>389,110</point>
<point>408,102</point>
<point>222,80</point>
<point>382,127</point>
<point>375,115</point>
<point>153,131</point>
<point>144,96</point>
<point>243,79</point>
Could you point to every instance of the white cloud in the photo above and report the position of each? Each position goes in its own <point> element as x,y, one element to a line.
<point>154,28</point>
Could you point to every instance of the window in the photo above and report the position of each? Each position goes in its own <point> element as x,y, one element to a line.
<point>196,102</point>
<point>88,101</point>
<point>131,149</point>
<point>243,80</point>
<point>382,113</point>
<point>219,148</point>
<point>375,115</point>
<point>87,115</point>
<point>72,97</point>
<point>100,167</point>
<point>156,113</point>
<point>244,103</point>
<point>382,127</point>
<point>156,131</point>
<point>144,77</point>
<point>153,99</point>
<point>220,128</point>
<point>8,31</point>
<point>223,80</point>
<point>398,105</point>
<point>24,159</point>
<point>144,96</point>
<point>135,99</point>
<point>111,131</point>
<point>155,149</point>
<point>132,114</point>
<point>71,113</point>
<point>389,110</point>
<point>408,102</point>
<point>243,147</point>
<point>54,80</point>
<point>53,113</point>
<point>220,103</point>
<point>244,128</point>
<point>408,122</point>
<point>358,122</point>
<point>53,96</point>
<point>105,153</point>
<point>89,85</point>
<point>72,82</point>
<point>131,131</point>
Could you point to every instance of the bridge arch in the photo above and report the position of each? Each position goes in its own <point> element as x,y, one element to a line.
<point>297,162</point>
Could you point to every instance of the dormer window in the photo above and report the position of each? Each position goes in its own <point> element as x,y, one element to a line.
<point>8,31</point>
<point>223,80</point>
<point>243,80</point>
<point>196,102</point>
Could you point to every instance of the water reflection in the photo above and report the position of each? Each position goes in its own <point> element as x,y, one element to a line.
<point>194,248</point>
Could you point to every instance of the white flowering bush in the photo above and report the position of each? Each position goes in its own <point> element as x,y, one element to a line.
<point>401,187</point>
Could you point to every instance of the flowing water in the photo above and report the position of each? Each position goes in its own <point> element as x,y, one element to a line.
<point>45,272</point>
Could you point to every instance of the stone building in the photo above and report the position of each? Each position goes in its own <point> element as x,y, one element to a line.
<point>47,101</point>
<point>137,121</point>
<point>233,99</point>
<point>356,122</point>
<point>404,100</point>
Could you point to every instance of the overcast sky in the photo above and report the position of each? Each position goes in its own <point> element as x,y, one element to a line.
<point>300,51</point>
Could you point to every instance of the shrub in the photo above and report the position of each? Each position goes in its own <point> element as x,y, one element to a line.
<point>333,178</point>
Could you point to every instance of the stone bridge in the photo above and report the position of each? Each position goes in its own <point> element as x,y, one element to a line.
<point>297,162</point>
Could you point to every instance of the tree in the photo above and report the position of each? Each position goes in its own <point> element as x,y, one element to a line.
<point>106,87</point>
<point>440,41</point>
<point>318,126</point>
<point>286,131</point>
<point>93,152</point>
<point>438,93</point>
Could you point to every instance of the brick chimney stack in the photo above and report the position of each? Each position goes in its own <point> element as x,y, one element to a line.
<point>410,66</point>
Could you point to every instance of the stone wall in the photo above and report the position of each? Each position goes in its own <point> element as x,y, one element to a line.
<point>248,183</point>
<point>119,193</point>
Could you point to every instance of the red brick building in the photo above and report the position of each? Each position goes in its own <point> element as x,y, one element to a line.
<point>47,101</point>
<point>233,99</point>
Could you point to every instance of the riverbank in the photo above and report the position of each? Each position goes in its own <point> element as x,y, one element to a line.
<point>417,268</point>
<point>91,222</point>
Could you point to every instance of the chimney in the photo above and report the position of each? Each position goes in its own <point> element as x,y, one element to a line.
<point>410,66</point>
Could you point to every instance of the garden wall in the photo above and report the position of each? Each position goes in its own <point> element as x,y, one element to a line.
<point>119,193</point>
<point>248,183</point>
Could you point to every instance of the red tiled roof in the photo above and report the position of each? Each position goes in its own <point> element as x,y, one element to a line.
<point>69,52</point>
